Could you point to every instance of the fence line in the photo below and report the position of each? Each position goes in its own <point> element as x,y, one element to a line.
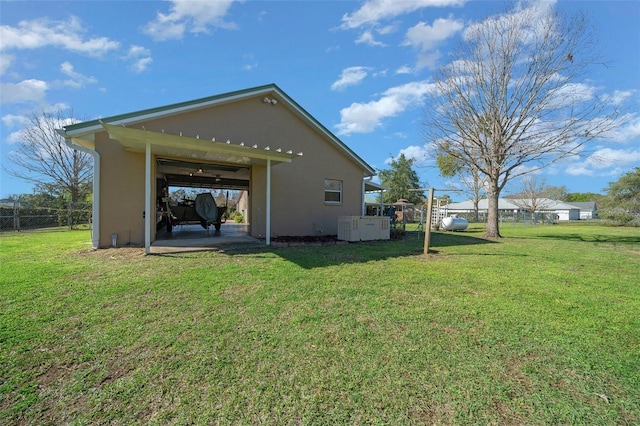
<point>21,217</point>
<point>414,214</point>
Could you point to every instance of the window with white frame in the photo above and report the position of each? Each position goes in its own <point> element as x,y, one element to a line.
<point>332,191</point>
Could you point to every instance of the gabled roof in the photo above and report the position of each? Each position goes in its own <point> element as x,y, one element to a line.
<point>87,129</point>
<point>585,205</point>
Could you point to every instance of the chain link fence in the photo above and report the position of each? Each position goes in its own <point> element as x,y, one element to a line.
<point>417,214</point>
<point>21,216</point>
<point>523,217</point>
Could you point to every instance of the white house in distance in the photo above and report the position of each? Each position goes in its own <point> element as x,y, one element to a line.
<point>588,209</point>
<point>561,209</point>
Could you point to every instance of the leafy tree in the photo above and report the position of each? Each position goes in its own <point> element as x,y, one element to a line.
<point>623,199</point>
<point>579,197</point>
<point>512,102</point>
<point>41,156</point>
<point>400,178</point>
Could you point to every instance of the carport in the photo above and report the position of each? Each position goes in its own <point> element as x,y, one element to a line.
<point>179,156</point>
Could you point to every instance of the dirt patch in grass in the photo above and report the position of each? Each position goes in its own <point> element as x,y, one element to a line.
<point>113,253</point>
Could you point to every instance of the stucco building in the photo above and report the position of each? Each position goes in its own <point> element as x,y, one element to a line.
<point>298,176</point>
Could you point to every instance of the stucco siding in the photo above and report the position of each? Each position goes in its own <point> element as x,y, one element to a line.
<point>121,193</point>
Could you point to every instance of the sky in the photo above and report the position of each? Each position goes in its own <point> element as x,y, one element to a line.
<point>361,68</point>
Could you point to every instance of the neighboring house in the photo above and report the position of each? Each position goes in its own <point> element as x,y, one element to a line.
<point>588,209</point>
<point>562,210</point>
<point>299,178</point>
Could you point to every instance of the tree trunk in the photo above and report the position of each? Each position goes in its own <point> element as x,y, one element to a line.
<point>493,230</point>
<point>475,210</point>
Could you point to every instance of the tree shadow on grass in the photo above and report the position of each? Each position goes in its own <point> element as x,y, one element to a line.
<point>448,239</point>
<point>317,256</point>
<point>412,244</point>
<point>619,239</point>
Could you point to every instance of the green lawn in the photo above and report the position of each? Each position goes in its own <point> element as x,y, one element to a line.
<point>541,327</point>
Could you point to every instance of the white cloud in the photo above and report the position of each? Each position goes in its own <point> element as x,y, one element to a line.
<point>627,131</point>
<point>141,57</point>
<point>5,62</point>
<point>250,67</point>
<point>572,94</point>
<point>141,65</point>
<point>604,162</point>
<point>368,38</point>
<point>12,121</point>
<point>138,51</point>
<point>366,117</point>
<point>77,80</point>
<point>350,77</point>
<point>26,91</point>
<point>413,152</point>
<point>619,97</point>
<point>531,16</point>
<point>192,16</point>
<point>373,11</point>
<point>404,70</point>
<point>43,32</point>
<point>426,38</point>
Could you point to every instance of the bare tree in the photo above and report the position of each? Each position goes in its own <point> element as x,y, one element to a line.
<point>41,156</point>
<point>474,182</point>
<point>533,195</point>
<point>514,102</point>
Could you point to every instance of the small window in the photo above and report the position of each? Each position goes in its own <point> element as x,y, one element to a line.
<point>332,191</point>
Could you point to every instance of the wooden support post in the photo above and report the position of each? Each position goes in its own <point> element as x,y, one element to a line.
<point>427,228</point>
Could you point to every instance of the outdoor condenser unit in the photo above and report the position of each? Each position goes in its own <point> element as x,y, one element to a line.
<point>363,228</point>
<point>369,228</point>
<point>349,228</point>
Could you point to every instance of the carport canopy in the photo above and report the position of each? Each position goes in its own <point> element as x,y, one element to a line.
<point>195,148</point>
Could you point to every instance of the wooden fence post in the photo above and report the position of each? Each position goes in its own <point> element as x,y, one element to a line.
<point>427,229</point>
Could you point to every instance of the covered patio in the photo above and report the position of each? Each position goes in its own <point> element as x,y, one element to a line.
<point>157,144</point>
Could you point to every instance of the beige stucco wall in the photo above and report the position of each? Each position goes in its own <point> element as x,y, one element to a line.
<point>297,188</point>
<point>121,193</point>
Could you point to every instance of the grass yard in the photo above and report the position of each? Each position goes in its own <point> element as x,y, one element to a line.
<point>541,327</point>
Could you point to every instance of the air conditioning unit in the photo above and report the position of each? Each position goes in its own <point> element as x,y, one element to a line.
<point>363,228</point>
<point>369,228</point>
<point>349,228</point>
<point>385,227</point>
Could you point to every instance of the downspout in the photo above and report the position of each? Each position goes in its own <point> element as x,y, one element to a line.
<point>364,201</point>
<point>95,213</point>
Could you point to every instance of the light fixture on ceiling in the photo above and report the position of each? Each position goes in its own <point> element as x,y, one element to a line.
<point>217,178</point>
<point>199,170</point>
